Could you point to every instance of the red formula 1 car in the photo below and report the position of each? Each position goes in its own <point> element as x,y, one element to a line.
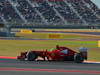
<point>56,54</point>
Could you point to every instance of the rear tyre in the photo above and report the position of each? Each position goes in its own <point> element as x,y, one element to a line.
<point>31,56</point>
<point>78,58</point>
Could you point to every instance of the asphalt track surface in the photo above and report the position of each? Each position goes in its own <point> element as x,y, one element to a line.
<point>90,33</point>
<point>86,33</point>
<point>16,67</point>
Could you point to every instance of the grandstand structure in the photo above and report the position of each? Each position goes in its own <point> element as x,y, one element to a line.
<point>48,13</point>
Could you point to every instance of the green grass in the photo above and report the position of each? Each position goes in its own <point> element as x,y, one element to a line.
<point>14,47</point>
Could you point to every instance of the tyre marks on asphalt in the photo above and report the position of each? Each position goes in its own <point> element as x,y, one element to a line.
<point>51,70</point>
<point>10,64</point>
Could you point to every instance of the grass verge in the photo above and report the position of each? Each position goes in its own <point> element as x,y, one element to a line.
<point>14,47</point>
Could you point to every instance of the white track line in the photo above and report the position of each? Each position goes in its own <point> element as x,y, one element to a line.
<point>92,62</point>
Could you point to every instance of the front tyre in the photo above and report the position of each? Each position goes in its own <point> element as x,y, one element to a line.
<point>31,56</point>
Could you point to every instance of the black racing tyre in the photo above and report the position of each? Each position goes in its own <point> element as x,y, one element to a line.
<point>31,56</point>
<point>78,58</point>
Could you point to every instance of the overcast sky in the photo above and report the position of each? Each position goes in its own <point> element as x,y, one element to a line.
<point>97,2</point>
